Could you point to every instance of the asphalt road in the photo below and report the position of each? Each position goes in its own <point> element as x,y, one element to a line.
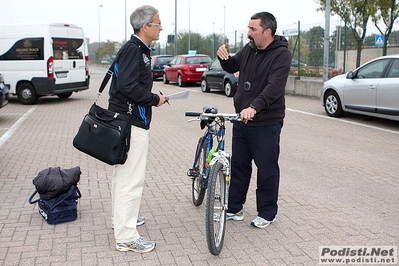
<point>339,186</point>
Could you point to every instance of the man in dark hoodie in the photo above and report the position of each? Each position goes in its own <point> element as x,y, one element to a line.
<point>264,65</point>
<point>130,94</point>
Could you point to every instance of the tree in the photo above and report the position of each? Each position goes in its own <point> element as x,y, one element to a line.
<point>315,43</point>
<point>394,38</point>
<point>107,49</point>
<point>356,15</point>
<point>304,48</point>
<point>388,11</point>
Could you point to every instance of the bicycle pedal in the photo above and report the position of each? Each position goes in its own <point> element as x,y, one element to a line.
<point>192,173</point>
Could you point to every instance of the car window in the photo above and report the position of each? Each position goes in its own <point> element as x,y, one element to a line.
<point>215,64</point>
<point>373,70</point>
<point>178,61</point>
<point>198,60</point>
<point>394,72</point>
<point>173,61</point>
<point>65,49</point>
<point>205,59</point>
<point>164,59</point>
<point>193,60</point>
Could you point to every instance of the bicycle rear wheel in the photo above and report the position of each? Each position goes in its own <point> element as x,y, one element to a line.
<point>215,209</point>
<point>198,189</point>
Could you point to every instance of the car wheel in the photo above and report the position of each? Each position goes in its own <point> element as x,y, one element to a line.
<point>333,105</point>
<point>228,89</point>
<point>64,95</point>
<point>27,94</point>
<point>165,80</point>
<point>204,86</point>
<point>180,81</point>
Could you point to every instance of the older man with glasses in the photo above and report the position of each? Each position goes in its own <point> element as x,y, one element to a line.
<point>130,94</point>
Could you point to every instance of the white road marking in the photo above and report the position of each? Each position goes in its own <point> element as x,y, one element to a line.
<point>344,121</point>
<point>15,126</point>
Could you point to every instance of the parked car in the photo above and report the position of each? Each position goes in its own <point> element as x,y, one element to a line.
<point>4,92</point>
<point>186,68</point>
<point>294,63</point>
<point>214,77</point>
<point>371,89</point>
<point>158,63</point>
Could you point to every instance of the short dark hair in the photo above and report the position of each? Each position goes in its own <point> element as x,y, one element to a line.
<point>267,20</point>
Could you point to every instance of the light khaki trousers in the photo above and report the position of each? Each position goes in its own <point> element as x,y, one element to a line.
<point>127,187</point>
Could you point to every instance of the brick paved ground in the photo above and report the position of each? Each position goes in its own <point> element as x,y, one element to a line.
<point>339,186</point>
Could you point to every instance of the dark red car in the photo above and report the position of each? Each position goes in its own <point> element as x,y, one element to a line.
<point>186,68</point>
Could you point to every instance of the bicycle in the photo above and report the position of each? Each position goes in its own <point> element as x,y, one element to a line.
<point>211,173</point>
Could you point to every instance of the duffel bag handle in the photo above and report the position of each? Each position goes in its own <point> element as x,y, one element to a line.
<point>78,192</point>
<point>31,197</point>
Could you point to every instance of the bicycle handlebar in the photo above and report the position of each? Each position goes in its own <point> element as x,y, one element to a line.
<point>193,114</point>
<point>205,116</point>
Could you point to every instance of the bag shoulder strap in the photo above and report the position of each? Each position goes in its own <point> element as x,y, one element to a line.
<point>107,76</point>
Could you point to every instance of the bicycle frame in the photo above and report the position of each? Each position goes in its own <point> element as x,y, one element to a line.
<point>208,138</point>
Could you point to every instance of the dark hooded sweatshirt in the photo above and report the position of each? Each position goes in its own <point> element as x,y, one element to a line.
<point>267,71</point>
<point>130,90</point>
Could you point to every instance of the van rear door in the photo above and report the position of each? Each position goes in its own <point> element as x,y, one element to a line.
<point>69,50</point>
<point>59,39</point>
<point>77,53</point>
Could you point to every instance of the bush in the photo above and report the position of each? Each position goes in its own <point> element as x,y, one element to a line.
<point>315,72</point>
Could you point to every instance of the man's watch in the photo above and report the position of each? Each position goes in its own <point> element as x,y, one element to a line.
<point>253,107</point>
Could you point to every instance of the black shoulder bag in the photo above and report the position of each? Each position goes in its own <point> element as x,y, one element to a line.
<point>103,134</point>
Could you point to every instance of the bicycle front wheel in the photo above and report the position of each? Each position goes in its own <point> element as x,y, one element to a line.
<point>198,187</point>
<point>215,209</point>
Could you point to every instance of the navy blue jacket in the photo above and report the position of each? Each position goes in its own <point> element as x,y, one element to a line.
<point>267,71</point>
<point>131,85</point>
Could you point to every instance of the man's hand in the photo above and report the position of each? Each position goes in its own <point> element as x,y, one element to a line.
<point>162,99</point>
<point>223,51</point>
<point>247,114</point>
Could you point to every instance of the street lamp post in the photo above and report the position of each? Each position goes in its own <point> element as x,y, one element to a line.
<point>213,43</point>
<point>189,37</point>
<point>224,23</point>
<point>99,7</point>
<point>125,23</point>
<point>175,40</point>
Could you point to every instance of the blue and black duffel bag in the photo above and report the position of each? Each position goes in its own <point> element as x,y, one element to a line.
<point>58,194</point>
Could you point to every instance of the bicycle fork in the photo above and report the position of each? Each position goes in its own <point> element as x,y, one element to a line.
<point>223,158</point>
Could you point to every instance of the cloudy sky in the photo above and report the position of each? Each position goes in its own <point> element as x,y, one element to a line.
<point>202,16</point>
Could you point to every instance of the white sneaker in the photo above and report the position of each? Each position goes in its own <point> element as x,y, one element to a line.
<point>140,220</point>
<point>140,245</point>
<point>259,222</point>
<point>239,216</point>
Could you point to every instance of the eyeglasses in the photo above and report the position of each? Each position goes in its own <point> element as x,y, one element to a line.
<point>154,24</point>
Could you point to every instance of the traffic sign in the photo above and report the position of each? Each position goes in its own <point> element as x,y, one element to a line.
<point>379,40</point>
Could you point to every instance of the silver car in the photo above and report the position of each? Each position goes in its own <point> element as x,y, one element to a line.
<point>372,89</point>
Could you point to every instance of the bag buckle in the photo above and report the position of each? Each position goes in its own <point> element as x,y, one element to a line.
<point>98,96</point>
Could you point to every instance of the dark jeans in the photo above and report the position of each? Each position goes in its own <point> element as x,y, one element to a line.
<point>261,144</point>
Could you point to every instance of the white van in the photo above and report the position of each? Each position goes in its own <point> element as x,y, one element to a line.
<point>43,59</point>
